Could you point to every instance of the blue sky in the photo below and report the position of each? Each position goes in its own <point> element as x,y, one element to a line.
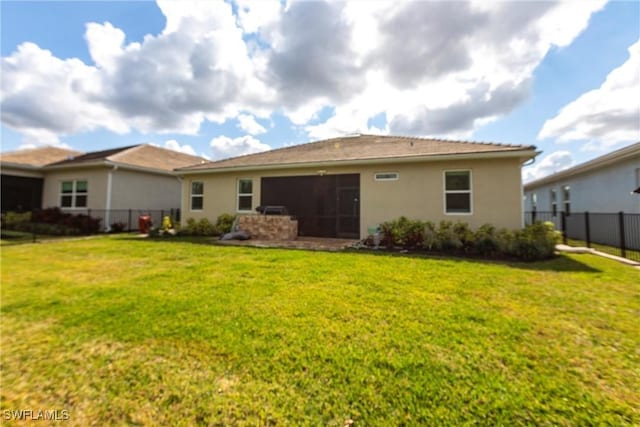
<point>221,79</point>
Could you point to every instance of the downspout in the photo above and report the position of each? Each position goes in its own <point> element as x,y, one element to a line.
<point>107,216</point>
<point>522,200</point>
<point>180,181</point>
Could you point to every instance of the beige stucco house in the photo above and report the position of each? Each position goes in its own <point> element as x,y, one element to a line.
<point>342,187</point>
<point>138,178</point>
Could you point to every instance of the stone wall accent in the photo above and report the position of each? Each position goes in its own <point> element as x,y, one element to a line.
<point>269,227</point>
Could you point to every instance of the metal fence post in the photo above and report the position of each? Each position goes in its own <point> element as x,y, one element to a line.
<point>623,249</point>
<point>533,216</point>
<point>129,221</point>
<point>586,229</point>
<point>563,225</point>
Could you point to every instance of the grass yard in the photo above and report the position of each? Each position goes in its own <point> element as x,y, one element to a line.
<point>120,330</point>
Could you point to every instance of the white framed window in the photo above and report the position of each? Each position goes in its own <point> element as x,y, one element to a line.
<point>457,192</point>
<point>245,195</point>
<point>197,195</point>
<point>566,199</point>
<point>554,202</point>
<point>386,176</point>
<point>73,194</point>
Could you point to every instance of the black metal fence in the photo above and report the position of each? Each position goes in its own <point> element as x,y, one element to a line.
<point>613,233</point>
<point>127,219</point>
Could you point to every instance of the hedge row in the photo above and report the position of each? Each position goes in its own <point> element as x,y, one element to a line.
<point>534,242</point>
<point>51,221</point>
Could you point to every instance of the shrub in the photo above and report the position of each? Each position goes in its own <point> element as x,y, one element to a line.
<point>485,240</point>
<point>118,227</point>
<point>11,219</point>
<point>224,223</point>
<point>446,237</point>
<point>403,232</point>
<point>505,239</point>
<point>51,221</point>
<point>430,236</point>
<point>535,242</point>
<point>202,227</point>
<point>464,234</point>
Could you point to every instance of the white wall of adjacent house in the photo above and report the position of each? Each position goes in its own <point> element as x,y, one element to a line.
<point>606,189</point>
<point>129,189</point>
<point>140,190</point>
<point>96,179</point>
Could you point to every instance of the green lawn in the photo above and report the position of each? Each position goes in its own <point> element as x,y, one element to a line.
<point>121,330</point>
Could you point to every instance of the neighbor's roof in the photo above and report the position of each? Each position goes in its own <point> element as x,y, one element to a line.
<point>362,148</point>
<point>37,157</point>
<point>614,157</point>
<point>142,156</point>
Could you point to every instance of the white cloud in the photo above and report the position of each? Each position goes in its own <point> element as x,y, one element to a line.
<point>432,68</point>
<point>174,145</point>
<point>248,123</point>
<point>224,147</point>
<point>552,163</point>
<point>605,116</point>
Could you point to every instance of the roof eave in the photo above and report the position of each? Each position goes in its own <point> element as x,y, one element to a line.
<point>110,163</point>
<point>523,155</point>
<point>20,165</point>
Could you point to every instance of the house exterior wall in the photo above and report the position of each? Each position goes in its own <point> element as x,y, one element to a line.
<point>607,189</point>
<point>417,194</point>
<point>140,190</point>
<point>96,185</point>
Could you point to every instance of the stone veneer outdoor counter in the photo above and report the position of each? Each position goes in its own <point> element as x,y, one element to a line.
<point>269,227</point>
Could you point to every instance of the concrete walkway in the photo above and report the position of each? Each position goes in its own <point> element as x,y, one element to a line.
<point>583,250</point>
<point>307,243</point>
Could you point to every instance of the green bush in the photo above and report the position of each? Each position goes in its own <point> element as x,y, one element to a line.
<point>202,227</point>
<point>403,232</point>
<point>446,237</point>
<point>11,219</point>
<point>536,241</point>
<point>430,236</point>
<point>224,223</point>
<point>486,242</point>
<point>464,234</point>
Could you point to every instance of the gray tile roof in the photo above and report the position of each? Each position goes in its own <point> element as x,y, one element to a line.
<point>38,156</point>
<point>360,147</point>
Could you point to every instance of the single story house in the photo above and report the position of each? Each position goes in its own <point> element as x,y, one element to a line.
<point>604,184</point>
<point>138,177</point>
<point>23,178</point>
<point>343,186</point>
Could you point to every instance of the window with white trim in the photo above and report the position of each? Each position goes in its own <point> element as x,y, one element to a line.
<point>197,195</point>
<point>386,176</point>
<point>245,195</point>
<point>554,202</point>
<point>73,194</point>
<point>457,192</point>
<point>566,199</point>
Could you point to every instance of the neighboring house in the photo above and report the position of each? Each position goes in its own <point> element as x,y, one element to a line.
<point>138,177</point>
<point>341,187</point>
<point>604,184</point>
<point>23,178</point>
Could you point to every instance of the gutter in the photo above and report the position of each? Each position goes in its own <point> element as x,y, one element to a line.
<point>109,163</point>
<point>523,154</point>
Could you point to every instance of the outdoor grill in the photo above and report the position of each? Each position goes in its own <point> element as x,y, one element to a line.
<point>272,210</point>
